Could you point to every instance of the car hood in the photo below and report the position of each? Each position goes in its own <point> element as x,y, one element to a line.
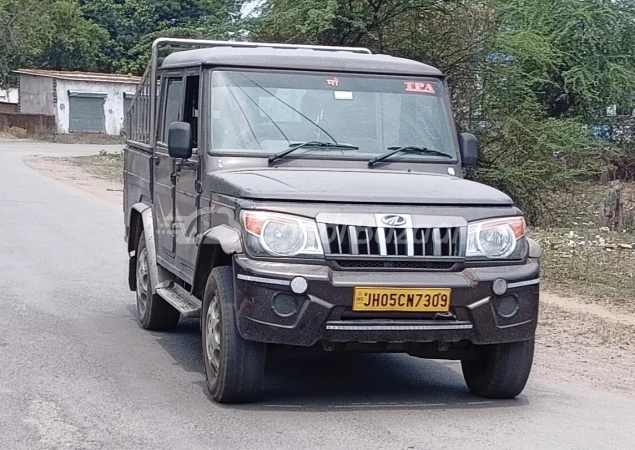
<point>354,186</point>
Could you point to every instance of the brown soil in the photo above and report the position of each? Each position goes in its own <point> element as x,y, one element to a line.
<point>64,170</point>
<point>577,340</point>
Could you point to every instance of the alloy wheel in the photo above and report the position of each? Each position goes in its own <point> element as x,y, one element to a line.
<point>142,283</point>
<point>213,335</point>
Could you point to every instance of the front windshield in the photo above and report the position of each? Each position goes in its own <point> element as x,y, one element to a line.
<point>261,113</point>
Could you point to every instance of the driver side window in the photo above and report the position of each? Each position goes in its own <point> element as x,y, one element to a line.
<point>172,105</point>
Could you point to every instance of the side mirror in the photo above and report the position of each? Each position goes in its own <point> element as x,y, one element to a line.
<point>180,140</point>
<point>468,144</point>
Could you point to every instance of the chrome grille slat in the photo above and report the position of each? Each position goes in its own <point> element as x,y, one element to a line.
<point>352,238</point>
<point>410,241</point>
<point>424,238</point>
<point>436,241</point>
<point>393,242</point>
<point>338,238</point>
<point>381,238</point>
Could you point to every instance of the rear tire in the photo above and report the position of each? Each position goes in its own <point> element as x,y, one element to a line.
<point>234,366</point>
<point>154,313</point>
<point>502,371</point>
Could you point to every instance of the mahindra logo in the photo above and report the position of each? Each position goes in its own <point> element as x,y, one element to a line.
<point>394,220</point>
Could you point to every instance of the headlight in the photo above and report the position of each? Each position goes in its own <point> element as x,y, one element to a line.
<point>496,239</point>
<point>281,235</point>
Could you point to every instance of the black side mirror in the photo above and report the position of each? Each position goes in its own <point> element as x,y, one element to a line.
<point>468,143</point>
<point>180,140</point>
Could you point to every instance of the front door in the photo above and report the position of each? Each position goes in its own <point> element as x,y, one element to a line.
<point>188,187</point>
<point>164,170</point>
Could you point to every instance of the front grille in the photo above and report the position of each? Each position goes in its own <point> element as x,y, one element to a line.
<point>347,240</point>
<point>404,265</point>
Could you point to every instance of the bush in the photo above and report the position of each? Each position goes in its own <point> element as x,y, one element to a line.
<point>530,158</point>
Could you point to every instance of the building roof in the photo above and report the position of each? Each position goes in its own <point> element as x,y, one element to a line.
<point>300,59</point>
<point>81,76</point>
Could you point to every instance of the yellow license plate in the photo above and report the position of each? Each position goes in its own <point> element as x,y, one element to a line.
<point>406,300</point>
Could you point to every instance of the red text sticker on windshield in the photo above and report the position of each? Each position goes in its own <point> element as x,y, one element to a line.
<point>420,87</point>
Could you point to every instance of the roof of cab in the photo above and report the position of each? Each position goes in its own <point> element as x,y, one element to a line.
<point>299,59</point>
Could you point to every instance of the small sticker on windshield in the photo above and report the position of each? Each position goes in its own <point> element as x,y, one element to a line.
<point>343,95</point>
<point>420,87</point>
<point>335,82</point>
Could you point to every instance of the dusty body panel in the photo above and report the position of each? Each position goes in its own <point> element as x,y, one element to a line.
<point>326,308</point>
<point>137,174</point>
<point>353,186</point>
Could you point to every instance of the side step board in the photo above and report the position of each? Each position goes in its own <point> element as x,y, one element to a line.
<point>177,296</point>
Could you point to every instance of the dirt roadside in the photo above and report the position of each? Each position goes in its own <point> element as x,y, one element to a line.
<point>101,183</point>
<point>576,340</point>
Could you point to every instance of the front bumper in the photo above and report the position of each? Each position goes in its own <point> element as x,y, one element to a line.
<point>324,314</point>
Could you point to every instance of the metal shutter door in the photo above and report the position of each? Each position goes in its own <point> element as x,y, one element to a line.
<point>87,114</point>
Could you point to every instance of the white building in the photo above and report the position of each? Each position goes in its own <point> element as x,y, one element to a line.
<point>9,95</point>
<point>81,102</point>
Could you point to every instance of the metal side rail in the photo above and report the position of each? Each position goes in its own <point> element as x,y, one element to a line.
<point>177,296</point>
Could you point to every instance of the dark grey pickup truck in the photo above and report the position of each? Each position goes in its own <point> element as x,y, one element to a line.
<point>303,196</point>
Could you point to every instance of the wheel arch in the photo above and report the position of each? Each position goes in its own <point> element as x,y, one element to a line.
<point>217,246</point>
<point>141,221</point>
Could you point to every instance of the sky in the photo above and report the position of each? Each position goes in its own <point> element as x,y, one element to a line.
<point>250,6</point>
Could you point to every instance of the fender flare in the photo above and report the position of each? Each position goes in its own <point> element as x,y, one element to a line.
<point>227,237</point>
<point>210,244</point>
<point>147,218</point>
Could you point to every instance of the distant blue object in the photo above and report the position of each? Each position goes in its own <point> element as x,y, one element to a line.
<point>500,58</point>
<point>602,131</point>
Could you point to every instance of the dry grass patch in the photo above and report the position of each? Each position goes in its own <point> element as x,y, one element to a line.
<point>107,166</point>
<point>589,263</point>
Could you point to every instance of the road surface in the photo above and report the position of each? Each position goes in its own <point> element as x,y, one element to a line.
<point>77,371</point>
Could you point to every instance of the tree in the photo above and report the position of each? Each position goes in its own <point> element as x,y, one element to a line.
<point>341,22</point>
<point>52,35</point>
<point>549,71</point>
<point>132,25</point>
<point>71,42</point>
<point>576,56</point>
<point>22,34</point>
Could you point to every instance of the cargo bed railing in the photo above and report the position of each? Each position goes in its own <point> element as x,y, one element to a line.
<point>141,121</point>
<point>138,116</point>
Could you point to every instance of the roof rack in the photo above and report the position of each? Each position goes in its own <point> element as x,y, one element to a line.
<point>141,126</point>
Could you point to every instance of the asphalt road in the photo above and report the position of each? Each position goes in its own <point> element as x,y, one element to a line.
<point>77,371</point>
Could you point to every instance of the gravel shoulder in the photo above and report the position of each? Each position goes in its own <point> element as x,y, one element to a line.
<point>585,342</point>
<point>85,173</point>
<point>579,338</point>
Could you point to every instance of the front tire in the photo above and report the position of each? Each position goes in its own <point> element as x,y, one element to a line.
<point>234,366</point>
<point>502,370</point>
<point>154,313</point>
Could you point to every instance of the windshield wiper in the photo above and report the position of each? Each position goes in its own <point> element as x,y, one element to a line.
<point>315,144</point>
<point>409,149</point>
